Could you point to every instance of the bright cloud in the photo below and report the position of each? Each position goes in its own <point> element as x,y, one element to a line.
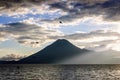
<point>27,33</point>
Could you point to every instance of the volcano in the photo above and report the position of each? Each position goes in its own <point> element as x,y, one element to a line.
<point>60,50</point>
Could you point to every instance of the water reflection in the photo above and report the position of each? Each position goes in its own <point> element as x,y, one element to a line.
<point>60,72</point>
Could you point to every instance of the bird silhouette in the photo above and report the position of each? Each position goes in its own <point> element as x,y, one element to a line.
<point>60,22</point>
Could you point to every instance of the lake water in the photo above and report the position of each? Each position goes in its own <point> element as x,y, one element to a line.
<point>59,72</point>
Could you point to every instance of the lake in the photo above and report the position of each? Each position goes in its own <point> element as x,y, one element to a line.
<point>59,72</point>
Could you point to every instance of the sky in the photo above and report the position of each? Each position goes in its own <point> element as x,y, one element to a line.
<point>27,26</point>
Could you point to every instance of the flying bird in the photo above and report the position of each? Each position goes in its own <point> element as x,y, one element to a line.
<point>60,22</point>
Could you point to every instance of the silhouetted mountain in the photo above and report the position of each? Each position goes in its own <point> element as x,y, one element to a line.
<point>54,53</point>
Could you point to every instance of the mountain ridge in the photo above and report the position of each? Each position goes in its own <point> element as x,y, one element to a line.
<point>60,50</point>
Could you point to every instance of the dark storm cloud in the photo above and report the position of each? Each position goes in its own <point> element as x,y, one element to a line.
<point>21,3</point>
<point>110,9</point>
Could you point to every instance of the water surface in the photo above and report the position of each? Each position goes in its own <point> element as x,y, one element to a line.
<point>59,72</point>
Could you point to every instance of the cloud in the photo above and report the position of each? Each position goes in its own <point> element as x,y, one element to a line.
<point>98,40</point>
<point>27,33</point>
<point>78,9</point>
<point>11,57</point>
<point>35,31</point>
<point>22,7</point>
<point>36,35</point>
<point>104,57</point>
<point>75,9</point>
